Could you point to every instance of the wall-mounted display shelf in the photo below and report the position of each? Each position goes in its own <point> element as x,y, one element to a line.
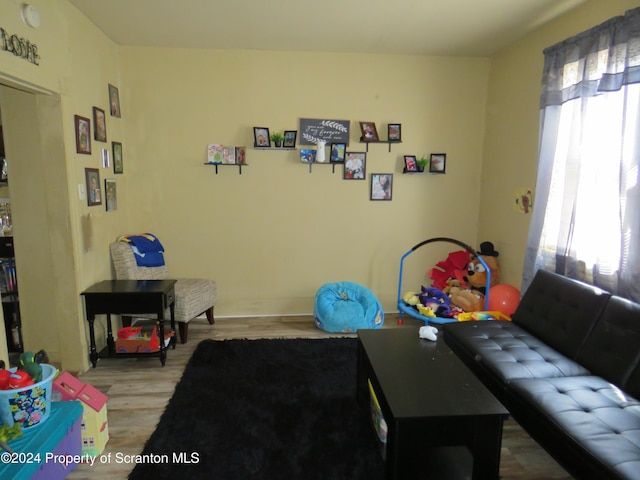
<point>411,172</point>
<point>333,169</point>
<point>389,142</point>
<point>239,165</point>
<point>274,148</point>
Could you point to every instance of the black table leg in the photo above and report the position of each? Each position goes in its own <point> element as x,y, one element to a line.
<point>93,355</point>
<point>486,448</point>
<point>111,344</point>
<point>172,311</point>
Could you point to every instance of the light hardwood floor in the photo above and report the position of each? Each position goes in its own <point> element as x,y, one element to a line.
<point>139,389</point>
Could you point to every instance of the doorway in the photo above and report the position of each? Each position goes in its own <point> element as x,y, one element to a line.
<point>42,227</point>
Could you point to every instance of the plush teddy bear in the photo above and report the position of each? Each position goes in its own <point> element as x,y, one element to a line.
<point>477,274</point>
<point>466,299</point>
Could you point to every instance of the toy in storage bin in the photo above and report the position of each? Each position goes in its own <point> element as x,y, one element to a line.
<point>30,405</point>
<point>95,428</point>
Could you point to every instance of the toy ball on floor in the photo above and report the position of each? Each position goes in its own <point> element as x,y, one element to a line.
<point>504,298</point>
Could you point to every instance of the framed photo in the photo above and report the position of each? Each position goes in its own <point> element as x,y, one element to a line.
<point>241,155</point>
<point>83,134</point>
<point>307,155</point>
<point>111,201</point>
<point>94,194</point>
<point>438,163</point>
<point>410,163</point>
<point>261,137</point>
<point>337,152</point>
<point>104,155</point>
<point>394,132</point>
<point>118,164</point>
<point>290,138</point>
<point>355,166</point>
<point>99,125</point>
<point>369,132</point>
<point>381,186</point>
<point>114,101</point>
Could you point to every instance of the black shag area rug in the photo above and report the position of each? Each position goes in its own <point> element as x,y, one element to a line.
<point>265,409</point>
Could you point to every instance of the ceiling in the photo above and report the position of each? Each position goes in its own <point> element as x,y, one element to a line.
<point>415,27</point>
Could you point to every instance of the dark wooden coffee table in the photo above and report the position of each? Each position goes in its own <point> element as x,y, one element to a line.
<point>429,399</point>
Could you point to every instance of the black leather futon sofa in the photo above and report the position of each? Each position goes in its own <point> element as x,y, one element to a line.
<point>567,367</point>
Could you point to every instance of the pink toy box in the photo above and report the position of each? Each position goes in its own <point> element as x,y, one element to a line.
<point>95,428</point>
<point>51,451</point>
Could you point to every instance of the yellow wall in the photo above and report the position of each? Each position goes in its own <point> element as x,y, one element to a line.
<point>76,63</point>
<point>511,143</point>
<point>274,234</point>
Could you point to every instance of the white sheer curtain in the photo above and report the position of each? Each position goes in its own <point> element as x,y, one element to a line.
<point>586,216</point>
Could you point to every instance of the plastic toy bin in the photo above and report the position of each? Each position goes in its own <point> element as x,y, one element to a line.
<point>30,405</point>
<point>50,451</point>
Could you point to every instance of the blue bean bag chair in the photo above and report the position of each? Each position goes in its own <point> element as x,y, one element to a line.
<point>345,307</point>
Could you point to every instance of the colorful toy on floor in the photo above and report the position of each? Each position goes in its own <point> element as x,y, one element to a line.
<point>95,427</point>
<point>442,277</point>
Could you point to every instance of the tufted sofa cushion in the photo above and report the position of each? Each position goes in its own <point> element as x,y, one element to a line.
<point>611,351</point>
<point>559,311</point>
<point>508,351</point>
<point>604,418</point>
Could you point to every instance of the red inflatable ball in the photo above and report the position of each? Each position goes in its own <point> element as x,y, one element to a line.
<point>504,298</point>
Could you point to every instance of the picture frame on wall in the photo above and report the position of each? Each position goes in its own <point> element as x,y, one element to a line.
<point>105,156</point>
<point>241,155</point>
<point>111,194</point>
<point>289,138</point>
<point>118,161</point>
<point>94,194</point>
<point>369,132</point>
<point>355,166</point>
<point>438,163</point>
<point>338,151</point>
<point>394,132</point>
<point>410,163</point>
<point>83,134</point>
<point>381,186</point>
<point>261,137</point>
<point>114,101</point>
<point>307,155</point>
<point>99,125</point>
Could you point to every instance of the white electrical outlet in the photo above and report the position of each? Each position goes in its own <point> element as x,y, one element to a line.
<point>82,192</point>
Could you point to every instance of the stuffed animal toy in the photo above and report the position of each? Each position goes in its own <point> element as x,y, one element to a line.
<point>477,274</point>
<point>466,299</point>
<point>436,300</point>
<point>454,266</point>
<point>411,299</point>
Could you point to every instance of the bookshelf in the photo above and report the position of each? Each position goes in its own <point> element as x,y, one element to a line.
<point>10,298</point>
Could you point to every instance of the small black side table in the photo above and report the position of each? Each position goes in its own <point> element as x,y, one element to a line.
<point>129,296</point>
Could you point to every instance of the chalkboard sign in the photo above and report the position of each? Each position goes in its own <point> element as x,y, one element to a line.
<point>332,131</point>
